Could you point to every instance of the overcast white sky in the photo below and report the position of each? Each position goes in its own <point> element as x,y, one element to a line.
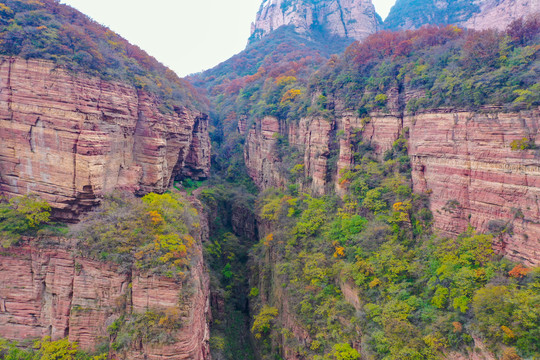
<point>186,35</point>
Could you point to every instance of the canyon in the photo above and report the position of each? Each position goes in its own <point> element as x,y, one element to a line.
<point>462,160</point>
<point>71,138</point>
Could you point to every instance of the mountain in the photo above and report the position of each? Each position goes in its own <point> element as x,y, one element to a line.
<point>479,14</point>
<point>354,19</point>
<point>370,199</point>
<point>88,113</point>
<point>85,115</point>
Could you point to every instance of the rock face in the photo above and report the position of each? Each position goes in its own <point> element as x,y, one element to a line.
<point>479,14</point>
<point>463,160</point>
<point>499,13</point>
<point>355,19</point>
<point>50,292</point>
<point>72,138</point>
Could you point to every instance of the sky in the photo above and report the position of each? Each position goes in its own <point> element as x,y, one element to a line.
<point>188,36</point>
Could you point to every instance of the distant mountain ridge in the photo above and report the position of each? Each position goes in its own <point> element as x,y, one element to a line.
<point>478,14</point>
<point>355,19</point>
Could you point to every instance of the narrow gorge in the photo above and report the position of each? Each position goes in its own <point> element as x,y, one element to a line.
<point>344,188</point>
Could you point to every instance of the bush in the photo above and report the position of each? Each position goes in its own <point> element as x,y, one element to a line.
<point>23,215</point>
<point>152,233</point>
<point>262,322</point>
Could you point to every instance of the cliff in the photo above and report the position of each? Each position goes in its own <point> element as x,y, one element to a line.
<point>48,291</point>
<point>72,138</point>
<point>463,160</point>
<point>499,13</point>
<point>354,19</point>
<point>481,14</point>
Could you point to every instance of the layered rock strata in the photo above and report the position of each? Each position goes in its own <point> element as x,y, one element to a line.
<point>463,160</point>
<point>355,19</point>
<point>51,292</point>
<point>71,138</point>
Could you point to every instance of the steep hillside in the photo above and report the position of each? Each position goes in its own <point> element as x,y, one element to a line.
<point>481,14</point>
<point>84,113</point>
<point>355,19</point>
<point>128,281</point>
<point>425,137</point>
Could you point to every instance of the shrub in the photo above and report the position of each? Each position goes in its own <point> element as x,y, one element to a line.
<point>262,322</point>
<point>22,216</point>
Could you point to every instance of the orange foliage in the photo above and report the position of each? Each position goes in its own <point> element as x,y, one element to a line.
<point>290,95</point>
<point>156,218</point>
<point>268,239</point>
<point>457,327</point>
<point>519,271</point>
<point>508,332</point>
<point>340,252</point>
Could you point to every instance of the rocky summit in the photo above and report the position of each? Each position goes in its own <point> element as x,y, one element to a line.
<point>354,19</point>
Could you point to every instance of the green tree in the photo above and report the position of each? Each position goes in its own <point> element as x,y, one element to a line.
<point>262,322</point>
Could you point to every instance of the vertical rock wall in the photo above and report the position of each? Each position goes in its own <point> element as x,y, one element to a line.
<point>50,292</point>
<point>355,19</point>
<point>72,138</point>
<point>463,160</point>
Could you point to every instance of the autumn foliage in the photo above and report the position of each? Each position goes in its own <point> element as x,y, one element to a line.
<point>49,30</point>
<point>153,233</point>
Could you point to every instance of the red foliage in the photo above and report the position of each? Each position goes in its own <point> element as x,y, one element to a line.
<point>387,43</point>
<point>519,271</point>
<point>481,47</point>
<point>521,31</point>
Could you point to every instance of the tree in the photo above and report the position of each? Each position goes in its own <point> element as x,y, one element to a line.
<point>262,322</point>
<point>344,352</point>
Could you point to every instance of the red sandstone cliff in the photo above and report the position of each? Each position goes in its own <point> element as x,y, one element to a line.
<point>459,157</point>
<point>50,292</point>
<point>71,138</point>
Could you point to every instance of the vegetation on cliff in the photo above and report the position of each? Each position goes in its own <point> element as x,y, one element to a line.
<point>410,71</point>
<point>153,234</point>
<point>26,216</point>
<point>46,29</point>
<point>439,67</point>
<point>366,270</point>
<point>45,349</point>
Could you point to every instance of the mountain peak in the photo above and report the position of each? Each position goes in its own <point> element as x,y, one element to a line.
<point>477,14</point>
<point>355,19</point>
